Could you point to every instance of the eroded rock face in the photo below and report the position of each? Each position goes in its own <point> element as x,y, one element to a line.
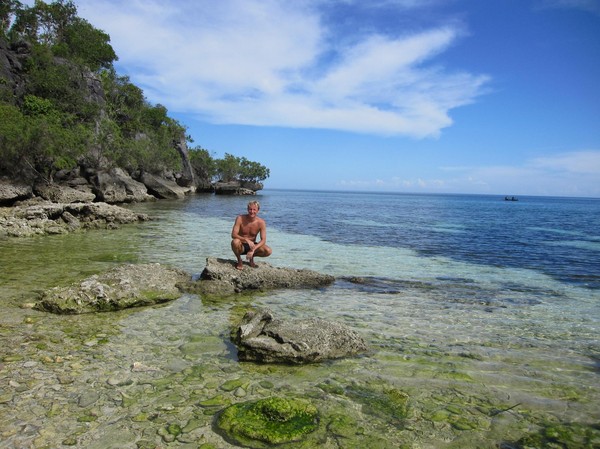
<point>11,192</point>
<point>116,186</point>
<point>164,188</point>
<point>221,278</point>
<point>262,338</point>
<point>123,287</point>
<point>64,194</point>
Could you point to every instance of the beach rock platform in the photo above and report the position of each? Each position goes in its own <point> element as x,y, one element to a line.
<point>221,278</point>
<point>260,337</point>
<point>43,217</point>
<point>120,288</point>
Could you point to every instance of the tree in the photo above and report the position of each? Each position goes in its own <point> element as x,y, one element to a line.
<point>203,164</point>
<point>228,167</point>
<point>88,45</point>
<point>252,171</point>
<point>233,168</point>
<point>8,11</point>
<point>40,140</point>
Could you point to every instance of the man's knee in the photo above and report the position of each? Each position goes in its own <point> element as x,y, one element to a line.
<point>236,245</point>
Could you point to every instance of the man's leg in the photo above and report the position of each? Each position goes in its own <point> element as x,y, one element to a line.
<point>263,251</point>
<point>238,248</point>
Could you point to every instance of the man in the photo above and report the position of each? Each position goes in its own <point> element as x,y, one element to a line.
<point>244,235</point>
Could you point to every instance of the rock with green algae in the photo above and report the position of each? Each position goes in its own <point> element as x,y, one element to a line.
<point>125,286</point>
<point>265,422</point>
<point>563,436</point>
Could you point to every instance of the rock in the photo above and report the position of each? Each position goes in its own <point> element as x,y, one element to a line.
<point>221,278</point>
<point>262,338</point>
<point>38,217</point>
<point>122,287</point>
<point>267,422</point>
<point>88,398</point>
<point>164,188</point>
<point>236,188</point>
<point>116,186</point>
<point>63,193</point>
<point>12,192</point>
<point>187,177</point>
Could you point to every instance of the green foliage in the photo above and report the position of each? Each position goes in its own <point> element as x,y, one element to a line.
<point>228,167</point>
<point>86,44</point>
<point>252,171</point>
<point>232,168</point>
<point>13,140</point>
<point>205,167</point>
<point>8,10</point>
<point>59,82</point>
<point>41,142</point>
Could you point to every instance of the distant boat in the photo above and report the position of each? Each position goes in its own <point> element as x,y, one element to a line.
<point>511,198</point>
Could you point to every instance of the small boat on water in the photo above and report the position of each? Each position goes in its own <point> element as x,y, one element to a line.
<point>511,198</point>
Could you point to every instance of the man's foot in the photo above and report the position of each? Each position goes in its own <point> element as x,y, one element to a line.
<point>239,265</point>
<point>252,264</point>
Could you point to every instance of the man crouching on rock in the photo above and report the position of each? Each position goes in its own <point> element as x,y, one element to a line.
<point>244,234</point>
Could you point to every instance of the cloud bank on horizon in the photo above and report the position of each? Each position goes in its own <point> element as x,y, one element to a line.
<point>289,64</point>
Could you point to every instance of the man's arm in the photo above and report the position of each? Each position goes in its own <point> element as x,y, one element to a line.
<point>262,230</point>
<point>235,231</point>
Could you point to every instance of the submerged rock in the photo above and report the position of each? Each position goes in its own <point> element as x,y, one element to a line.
<point>221,278</point>
<point>262,338</point>
<point>270,421</point>
<point>123,287</point>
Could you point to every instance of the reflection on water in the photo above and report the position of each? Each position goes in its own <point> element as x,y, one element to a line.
<point>487,354</point>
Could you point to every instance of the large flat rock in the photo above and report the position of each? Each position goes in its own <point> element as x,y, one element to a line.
<point>221,278</point>
<point>261,337</point>
<point>120,288</point>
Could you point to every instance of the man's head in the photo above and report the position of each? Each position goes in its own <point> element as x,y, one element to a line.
<point>254,203</point>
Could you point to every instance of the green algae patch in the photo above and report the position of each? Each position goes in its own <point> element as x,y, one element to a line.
<point>564,436</point>
<point>274,420</point>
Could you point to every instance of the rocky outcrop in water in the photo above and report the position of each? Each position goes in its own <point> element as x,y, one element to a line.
<point>121,288</point>
<point>41,217</point>
<point>221,278</point>
<point>237,188</point>
<point>262,338</point>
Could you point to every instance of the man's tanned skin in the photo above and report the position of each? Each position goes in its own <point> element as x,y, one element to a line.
<point>244,234</point>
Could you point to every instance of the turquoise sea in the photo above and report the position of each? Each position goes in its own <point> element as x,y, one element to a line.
<point>485,313</point>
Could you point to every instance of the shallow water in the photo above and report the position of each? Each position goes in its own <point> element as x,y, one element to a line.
<point>491,342</point>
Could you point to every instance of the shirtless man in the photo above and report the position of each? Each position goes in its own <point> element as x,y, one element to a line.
<point>244,234</point>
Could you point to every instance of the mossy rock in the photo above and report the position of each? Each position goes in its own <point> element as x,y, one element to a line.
<point>563,436</point>
<point>274,420</point>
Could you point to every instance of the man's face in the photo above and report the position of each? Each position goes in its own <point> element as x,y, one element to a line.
<point>252,210</point>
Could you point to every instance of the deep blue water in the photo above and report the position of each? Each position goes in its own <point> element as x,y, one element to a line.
<point>559,237</point>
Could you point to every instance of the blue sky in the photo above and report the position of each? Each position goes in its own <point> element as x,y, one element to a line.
<point>438,96</point>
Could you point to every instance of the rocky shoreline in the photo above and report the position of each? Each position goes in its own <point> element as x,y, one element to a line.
<point>76,202</point>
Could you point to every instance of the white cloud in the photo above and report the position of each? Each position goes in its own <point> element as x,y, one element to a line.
<point>577,162</point>
<point>574,173</point>
<point>275,63</point>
